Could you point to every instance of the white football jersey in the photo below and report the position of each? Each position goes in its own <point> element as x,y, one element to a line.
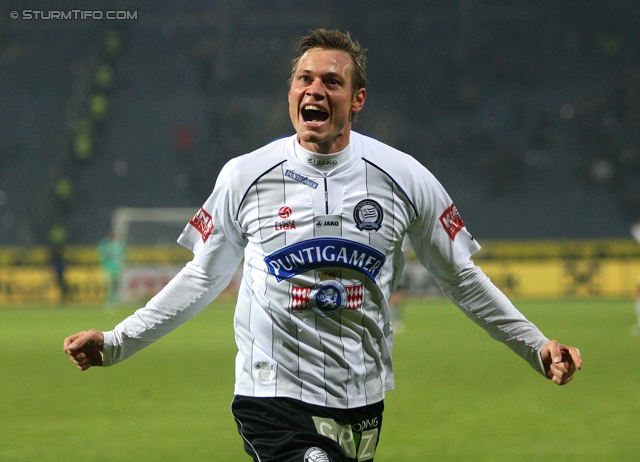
<point>321,237</point>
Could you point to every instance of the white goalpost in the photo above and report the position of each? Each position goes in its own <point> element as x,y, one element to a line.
<point>150,226</point>
<point>153,256</point>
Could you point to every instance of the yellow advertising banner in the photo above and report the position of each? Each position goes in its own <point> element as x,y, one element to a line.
<point>520,269</point>
<point>38,285</point>
<point>558,278</point>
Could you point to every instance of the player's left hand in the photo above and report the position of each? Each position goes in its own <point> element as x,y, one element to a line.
<point>85,349</point>
<point>560,361</point>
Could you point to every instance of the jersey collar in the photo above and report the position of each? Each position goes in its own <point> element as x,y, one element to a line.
<point>325,165</point>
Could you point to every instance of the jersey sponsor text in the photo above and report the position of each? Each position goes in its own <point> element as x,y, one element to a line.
<point>285,225</point>
<point>301,179</point>
<point>203,222</point>
<point>324,252</point>
<point>451,221</point>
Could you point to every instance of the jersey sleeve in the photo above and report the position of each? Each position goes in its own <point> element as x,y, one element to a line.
<point>438,235</point>
<point>212,234</point>
<point>444,246</point>
<point>482,302</point>
<point>218,248</point>
<point>188,293</point>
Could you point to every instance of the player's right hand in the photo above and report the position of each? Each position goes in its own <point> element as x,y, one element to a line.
<point>560,361</point>
<point>85,349</point>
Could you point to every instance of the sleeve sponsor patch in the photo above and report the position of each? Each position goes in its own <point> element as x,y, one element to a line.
<point>203,222</point>
<point>451,221</point>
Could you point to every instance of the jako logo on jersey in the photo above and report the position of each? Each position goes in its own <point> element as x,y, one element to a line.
<point>203,222</point>
<point>451,221</point>
<point>301,179</point>
<point>321,162</point>
<point>324,252</point>
<point>284,212</point>
<point>320,223</point>
<point>368,215</point>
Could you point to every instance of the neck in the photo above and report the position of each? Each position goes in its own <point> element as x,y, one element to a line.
<point>326,164</point>
<point>329,146</point>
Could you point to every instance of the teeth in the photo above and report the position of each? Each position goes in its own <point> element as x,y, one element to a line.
<point>311,107</point>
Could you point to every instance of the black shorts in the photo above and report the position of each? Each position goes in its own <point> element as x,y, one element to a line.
<point>288,430</point>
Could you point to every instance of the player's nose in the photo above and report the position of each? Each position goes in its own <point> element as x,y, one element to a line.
<point>316,88</point>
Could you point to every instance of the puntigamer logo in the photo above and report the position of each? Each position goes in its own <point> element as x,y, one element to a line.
<point>325,252</point>
<point>301,179</point>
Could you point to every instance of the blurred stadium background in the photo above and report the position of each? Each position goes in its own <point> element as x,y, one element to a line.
<point>528,113</point>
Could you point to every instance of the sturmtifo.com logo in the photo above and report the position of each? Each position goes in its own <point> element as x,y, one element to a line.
<point>74,15</point>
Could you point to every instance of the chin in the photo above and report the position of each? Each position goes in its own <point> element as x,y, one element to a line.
<point>311,137</point>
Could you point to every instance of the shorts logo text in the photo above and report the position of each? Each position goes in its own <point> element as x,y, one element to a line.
<point>359,445</point>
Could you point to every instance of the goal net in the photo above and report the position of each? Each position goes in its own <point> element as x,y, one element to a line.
<point>150,226</point>
<point>153,257</point>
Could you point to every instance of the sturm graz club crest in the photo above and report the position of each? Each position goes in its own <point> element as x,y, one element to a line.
<point>315,454</point>
<point>368,215</point>
<point>328,298</point>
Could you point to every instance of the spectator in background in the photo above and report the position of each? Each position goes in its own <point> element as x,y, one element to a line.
<point>56,255</point>
<point>635,330</point>
<point>111,253</point>
<point>397,299</point>
<point>396,307</point>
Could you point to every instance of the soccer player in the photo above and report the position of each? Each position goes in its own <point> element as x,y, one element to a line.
<point>319,218</point>
<point>111,253</point>
<point>397,299</point>
<point>635,330</point>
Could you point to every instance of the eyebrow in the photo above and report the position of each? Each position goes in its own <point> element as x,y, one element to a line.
<point>328,74</point>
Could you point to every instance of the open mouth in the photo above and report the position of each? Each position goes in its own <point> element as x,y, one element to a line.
<point>314,114</point>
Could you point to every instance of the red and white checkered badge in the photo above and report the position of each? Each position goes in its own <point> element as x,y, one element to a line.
<point>203,222</point>
<point>300,297</point>
<point>451,221</point>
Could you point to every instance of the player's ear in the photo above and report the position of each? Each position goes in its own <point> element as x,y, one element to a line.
<point>358,101</point>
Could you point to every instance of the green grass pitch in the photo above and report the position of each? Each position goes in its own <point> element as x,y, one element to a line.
<point>460,396</point>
